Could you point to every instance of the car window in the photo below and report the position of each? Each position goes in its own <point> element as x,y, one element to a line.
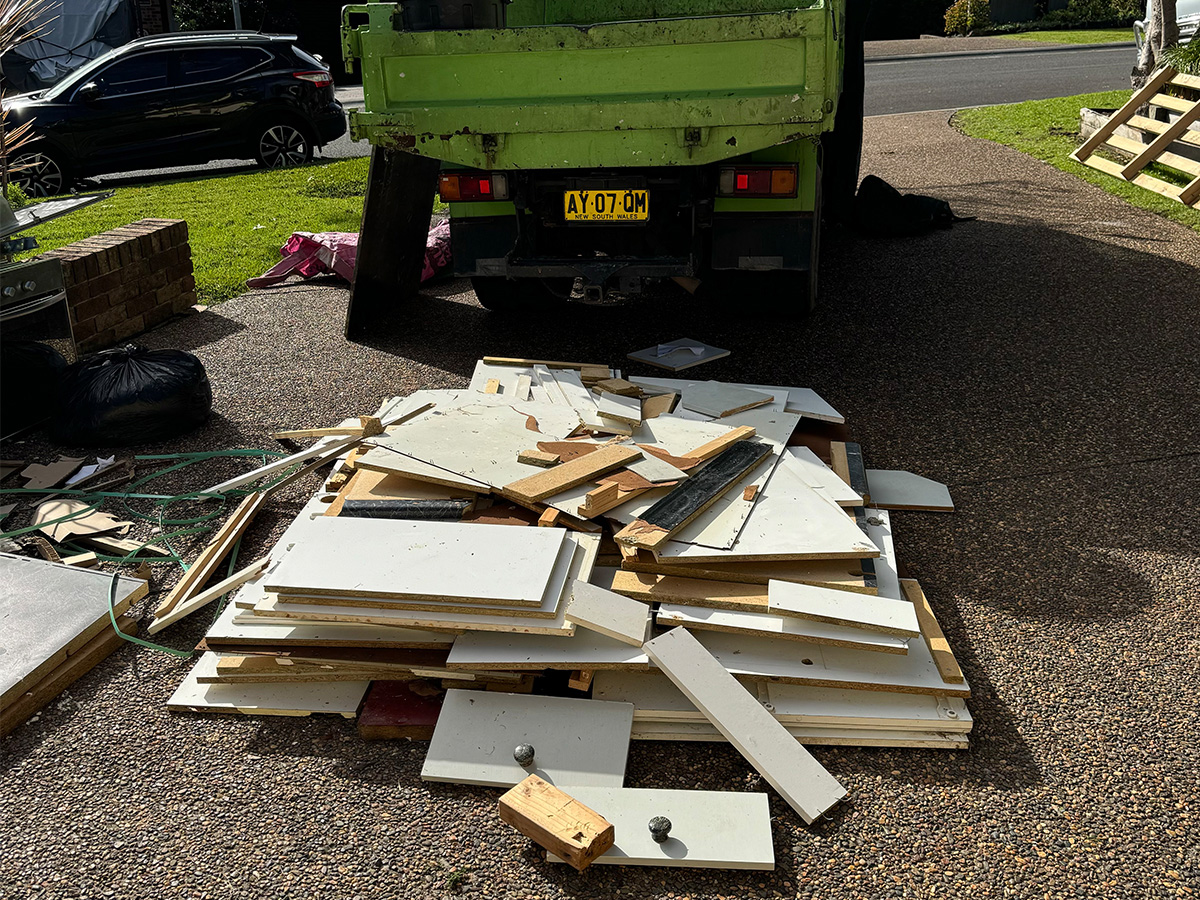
<point>217,63</point>
<point>306,59</point>
<point>134,75</point>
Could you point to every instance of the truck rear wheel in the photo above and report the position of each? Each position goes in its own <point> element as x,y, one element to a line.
<point>506,295</point>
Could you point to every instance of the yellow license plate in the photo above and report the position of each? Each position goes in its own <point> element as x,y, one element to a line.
<point>606,206</point>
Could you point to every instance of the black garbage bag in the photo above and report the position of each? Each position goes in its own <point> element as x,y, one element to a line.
<point>29,378</point>
<point>882,211</point>
<point>131,395</point>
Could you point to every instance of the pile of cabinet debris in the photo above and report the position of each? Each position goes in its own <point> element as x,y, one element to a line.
<point>696,561</point>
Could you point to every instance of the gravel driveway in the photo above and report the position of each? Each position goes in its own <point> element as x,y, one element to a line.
<point>1041,360</point>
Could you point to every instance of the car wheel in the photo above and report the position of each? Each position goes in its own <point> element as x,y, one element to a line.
<point>281,145</point>
<point>39,174</point>
<point>511,295</point>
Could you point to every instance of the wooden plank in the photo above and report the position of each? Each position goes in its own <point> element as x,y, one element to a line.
<point>580,679</point>
<point>323,447</point>
<point>575,741</point>
<point>1150,183</point>
<point>709,829</point>
<point>775,626</point>
<point>894,489</point>
<point>839,462</point>
<point>567,475</point>
<point>721,444</point>
<point>549,518</point>
<point>608,613</point>
<point>205,564</point>
<point>83,560</point>
<point>1188,81</point>
<point>600,499</point>
<point>58,679</point>
<point>202,599</point>
<point>618,386</point>
<point>878,614</point>
<point>1175,104</point>
<point>1136,102</point>
<point>339,698</point>
<point>492,386</point>
<point>774,753</point>
<point>538,458</point>
<point>683,504</point>
<point>556,821</point>
<point>658,404</point>
<point>1174,160</point>
<point>495,564</point>
<point>1190,194</point>
<point>935,639</point>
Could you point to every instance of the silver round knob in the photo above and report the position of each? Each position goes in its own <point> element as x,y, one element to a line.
<point>523,754</point>
<point>29,285</point>
<point>660,828</point>
<point>10,292</point>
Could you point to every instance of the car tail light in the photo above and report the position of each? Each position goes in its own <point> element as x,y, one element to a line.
<point>757,181</point>
<point>320,79</point>
<point>456,186</point>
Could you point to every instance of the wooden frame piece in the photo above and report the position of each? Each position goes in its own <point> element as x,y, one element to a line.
<point>191,604</point>
<point>569,474</point>
<point>210,557</point>
<point>557,822</point>
<point>1157,150</point>
<point>939,647</point>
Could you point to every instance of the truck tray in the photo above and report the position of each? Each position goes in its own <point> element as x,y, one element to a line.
<point>662,92</point>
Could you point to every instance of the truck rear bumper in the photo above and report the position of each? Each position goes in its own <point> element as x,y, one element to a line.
<point>762,241</point>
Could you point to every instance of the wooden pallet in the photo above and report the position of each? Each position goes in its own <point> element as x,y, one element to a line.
<point>1166,133</point>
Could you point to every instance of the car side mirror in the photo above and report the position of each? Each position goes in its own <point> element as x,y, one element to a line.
<point>89,92</point>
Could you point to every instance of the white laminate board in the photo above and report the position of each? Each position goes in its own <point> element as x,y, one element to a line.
<point>568,383</point>
<point>270,699</point>
<point>273,632</point>
<point>653,694</point>
<point>804,401</point>
<point>787,766</point>
<point>619,407</point>
<point>482,440</point>
<point>769,659</point>
<point>789,520</point>
<point>797,704</point>
<point>401,558</point>
<point>613,615</point>
<point>848,608</point>
<point>894,489</point>
<point>655,698</point>
<point>715,398</point>
<point>385,459</point>
<point>532,652</point>
<point>776,626</point>
<point>810,735</point>
<point>879,530</point>
<point>678,354</point>
<point>678,436</point>
<point>575,742</point>
<point>709,829</point>
<point>812,469</point>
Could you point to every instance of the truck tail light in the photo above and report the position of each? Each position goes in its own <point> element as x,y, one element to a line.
<point>456,186</point>
<point>320,79</point>
<point>757,181</point>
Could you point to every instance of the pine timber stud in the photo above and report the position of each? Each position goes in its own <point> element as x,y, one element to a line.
<point>556,821</point>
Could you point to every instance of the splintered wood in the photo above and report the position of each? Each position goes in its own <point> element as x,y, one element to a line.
<point>690,560</point>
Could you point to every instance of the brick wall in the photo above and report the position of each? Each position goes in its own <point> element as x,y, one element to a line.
<point>127,280</point>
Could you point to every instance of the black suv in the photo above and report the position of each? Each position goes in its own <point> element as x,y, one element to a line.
<point>177,99</point>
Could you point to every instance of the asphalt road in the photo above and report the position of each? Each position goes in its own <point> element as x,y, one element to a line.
<point>910,84</point>
<point>953,81</point>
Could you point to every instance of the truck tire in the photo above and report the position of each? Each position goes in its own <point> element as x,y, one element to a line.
<point>507,295</point>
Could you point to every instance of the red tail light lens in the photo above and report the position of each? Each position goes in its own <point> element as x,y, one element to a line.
<point>320,79</point>
<point>757,181</point>
<point>467,187</point>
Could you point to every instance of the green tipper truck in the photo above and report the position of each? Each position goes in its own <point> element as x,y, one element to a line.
<point>587,150</point>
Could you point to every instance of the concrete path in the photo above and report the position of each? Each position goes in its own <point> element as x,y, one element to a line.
<point>1041,360</point>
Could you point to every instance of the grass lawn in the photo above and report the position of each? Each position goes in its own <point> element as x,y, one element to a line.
<point>1048,130</point>
<point>1076,36</point>
<point>236,223</point>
